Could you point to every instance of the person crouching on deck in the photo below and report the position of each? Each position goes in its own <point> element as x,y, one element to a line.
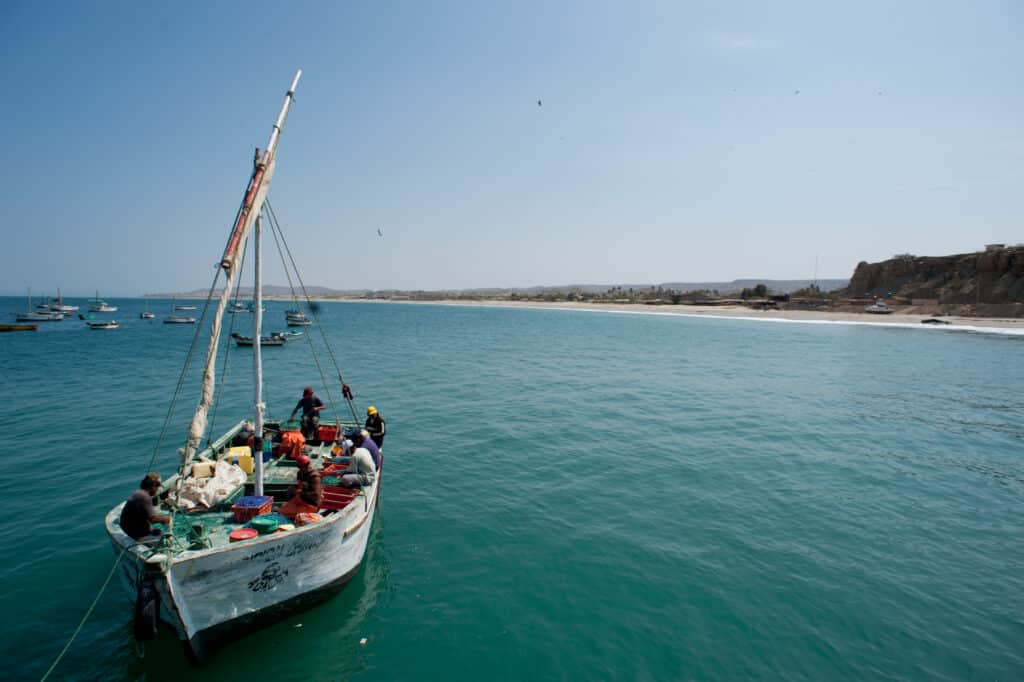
<point>138,512</point>
<point>362,439</point>
<point>311,407</point>
<point>309,493</point>
<point>360,470</point>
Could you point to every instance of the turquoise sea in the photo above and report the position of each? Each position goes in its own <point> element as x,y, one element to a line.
<point>567,496</point>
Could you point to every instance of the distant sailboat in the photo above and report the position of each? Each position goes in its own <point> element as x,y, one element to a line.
<point>98,306</point>
<point>178,319</point>
<point>145,314</point>
<point>39,315</point>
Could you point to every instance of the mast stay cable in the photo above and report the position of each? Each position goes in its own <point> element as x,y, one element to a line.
<point>275,225</point>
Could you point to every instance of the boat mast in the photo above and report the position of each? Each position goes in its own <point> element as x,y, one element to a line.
<point>257,357</point>
<point>252,205</point>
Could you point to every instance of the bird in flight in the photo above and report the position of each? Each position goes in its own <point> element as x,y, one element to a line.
<point>379,233</point>
<point>796,92</point>
<point>538,103</point>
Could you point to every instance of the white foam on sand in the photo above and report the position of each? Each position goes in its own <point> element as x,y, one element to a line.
<point>976,329</point>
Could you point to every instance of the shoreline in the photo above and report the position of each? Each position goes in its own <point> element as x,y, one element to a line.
<point>1006,325</point>
<point>896,319</point>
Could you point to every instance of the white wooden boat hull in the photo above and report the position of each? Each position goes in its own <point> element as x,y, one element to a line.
<point>40,317</point>
<point>213,596</point>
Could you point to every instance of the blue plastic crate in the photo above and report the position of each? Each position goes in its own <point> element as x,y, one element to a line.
<point>253,501</point>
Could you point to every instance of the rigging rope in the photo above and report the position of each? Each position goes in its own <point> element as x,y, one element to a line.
<point>276,226</point>
<point>88,613</point>
<point>276,231</point>
<point>184,374</point>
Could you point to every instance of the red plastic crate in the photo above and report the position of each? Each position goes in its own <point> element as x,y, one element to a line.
<point>338,497</point>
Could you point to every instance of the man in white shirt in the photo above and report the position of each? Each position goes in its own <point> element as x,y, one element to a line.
<point>360,471</point>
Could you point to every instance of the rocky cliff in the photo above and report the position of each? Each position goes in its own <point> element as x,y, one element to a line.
<point>994,276</point>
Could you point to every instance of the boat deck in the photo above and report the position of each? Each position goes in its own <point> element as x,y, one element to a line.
<point>210,529</point>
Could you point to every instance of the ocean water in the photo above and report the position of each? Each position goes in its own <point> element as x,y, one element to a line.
<point>567,495</point>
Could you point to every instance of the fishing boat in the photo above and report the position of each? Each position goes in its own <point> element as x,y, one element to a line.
<point>174,318</point>
<point>98,306</point>
<point>272,340</point>
<point>214,575</point>
<point>38,315</point>
<point>56,305</point>
<point>237,307</point>
<point>103,324</point>
<point>184,307</point>
<point>296,318</point>
<point>289,335</point>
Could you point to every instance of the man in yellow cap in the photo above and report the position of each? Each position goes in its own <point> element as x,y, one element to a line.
<point>375,425</point>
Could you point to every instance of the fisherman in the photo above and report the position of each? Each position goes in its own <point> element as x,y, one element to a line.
<point>375,425</point>
<point>309,492</point>
<point>138,512</point>
<point>310,406</point>
<point>361,439</point>
<point>361,469</point>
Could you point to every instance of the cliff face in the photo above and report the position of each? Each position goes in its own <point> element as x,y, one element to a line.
<point>995,276</point>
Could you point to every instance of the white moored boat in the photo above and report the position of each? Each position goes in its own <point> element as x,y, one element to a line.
<point>41,314</point>
<point>211,585</point>
<point>98,306</point>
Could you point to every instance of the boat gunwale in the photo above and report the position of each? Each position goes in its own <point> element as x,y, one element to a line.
<point>146,553</point>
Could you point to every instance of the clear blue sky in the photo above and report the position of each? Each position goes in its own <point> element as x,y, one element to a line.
<point>671,144</point>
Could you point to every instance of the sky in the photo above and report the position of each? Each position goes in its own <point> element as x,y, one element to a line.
<point>674,141</point>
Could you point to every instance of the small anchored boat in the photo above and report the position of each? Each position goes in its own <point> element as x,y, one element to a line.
<point>44,315</point>
<point>103,324</point>
<point>18,327</point>
<point>178,319</point>
<point>879,308</point>
<point>272,340</point>
<point>98,306</point>
<point>297,318</point>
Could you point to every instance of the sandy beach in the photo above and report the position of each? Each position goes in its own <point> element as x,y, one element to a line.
<point>1011,325</point>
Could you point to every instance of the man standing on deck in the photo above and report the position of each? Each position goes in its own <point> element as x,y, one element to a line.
<point>310,406</point>
<point>375,425</point>
<point>138,512</point>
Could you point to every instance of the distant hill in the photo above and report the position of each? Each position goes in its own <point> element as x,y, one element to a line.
<point>246,292</point>
<point>782,286</point>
